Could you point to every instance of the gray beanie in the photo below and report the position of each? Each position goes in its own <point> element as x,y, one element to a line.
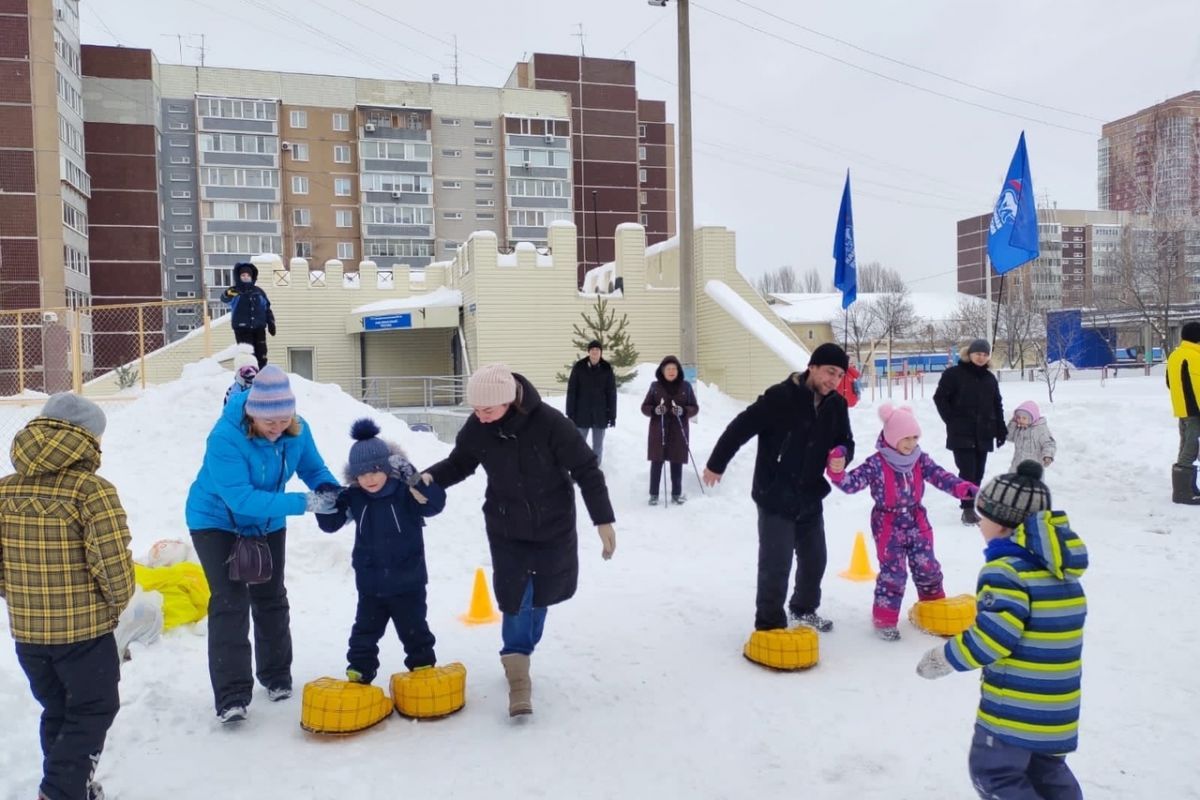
<point>72,408</point>
<point>979,346</point>
<point>369,453</point>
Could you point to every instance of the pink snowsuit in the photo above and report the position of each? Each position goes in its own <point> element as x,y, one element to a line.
<point>900,527</point>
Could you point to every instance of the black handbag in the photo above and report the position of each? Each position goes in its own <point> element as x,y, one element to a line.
<point>250,560</point>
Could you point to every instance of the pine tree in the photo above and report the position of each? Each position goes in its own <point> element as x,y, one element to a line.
<point>605,328</point>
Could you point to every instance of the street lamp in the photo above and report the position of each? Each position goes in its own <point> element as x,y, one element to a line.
<point>687,226</point>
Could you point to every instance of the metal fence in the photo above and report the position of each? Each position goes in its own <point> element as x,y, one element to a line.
<point>424,392</point>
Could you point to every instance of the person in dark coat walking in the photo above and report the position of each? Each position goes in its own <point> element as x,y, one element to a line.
<point>798,423</point>
<point>388,513</point>
<point>592,396</point>
<point>968,401</point>
<point>533,458</point>
<point>250,311</point>
<point>670,404</point>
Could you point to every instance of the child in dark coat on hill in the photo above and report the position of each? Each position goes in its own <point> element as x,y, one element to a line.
<point>387,504</point>
<point>250,312</point>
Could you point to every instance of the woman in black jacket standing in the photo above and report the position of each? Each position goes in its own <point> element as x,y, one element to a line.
<point>968,401</point>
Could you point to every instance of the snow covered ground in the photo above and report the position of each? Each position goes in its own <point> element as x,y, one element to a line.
<point>640,688</point>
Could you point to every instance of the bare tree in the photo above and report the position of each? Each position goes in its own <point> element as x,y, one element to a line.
<point>1057,342</point>
<point>875,278</point>
<point>1021,324</point>
<point>811,281</point>
<point>780,281</point>
<point>969,321</point>
<point>858,328</point>
<point>894,317</point>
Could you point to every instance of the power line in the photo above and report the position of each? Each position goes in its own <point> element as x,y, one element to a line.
<point>92,7</point>
<point>658,18</point>
<point>435,37</point>
<point>901,63</point>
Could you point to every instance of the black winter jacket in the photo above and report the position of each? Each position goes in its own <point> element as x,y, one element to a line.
<point>794,440</point>
<point>248,304</point>
<point>592,394</point>
<point>533,457</point>
<point>968,401</point>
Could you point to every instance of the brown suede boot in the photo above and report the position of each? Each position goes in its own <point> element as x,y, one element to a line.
<point>520,688</point>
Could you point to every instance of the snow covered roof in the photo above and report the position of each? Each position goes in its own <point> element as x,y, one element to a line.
<point>597,279</point>
<point>827,306</point>
<point>440,297</point>
<point>792,353</point>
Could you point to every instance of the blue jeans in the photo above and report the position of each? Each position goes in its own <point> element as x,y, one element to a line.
<point>1002,771</point>
<point>597,440</point>
<point>522,631</point>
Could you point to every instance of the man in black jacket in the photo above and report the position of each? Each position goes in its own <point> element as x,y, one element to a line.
<point>797,422</point>
<point>592,397</point>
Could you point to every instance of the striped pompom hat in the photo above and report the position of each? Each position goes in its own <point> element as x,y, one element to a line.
<point>271,395</point>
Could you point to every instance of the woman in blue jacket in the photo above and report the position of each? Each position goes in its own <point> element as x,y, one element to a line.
<point>256,446</point>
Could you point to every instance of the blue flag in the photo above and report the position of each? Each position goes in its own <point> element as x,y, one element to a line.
<point>845,272</point>
<point>1013,234</point>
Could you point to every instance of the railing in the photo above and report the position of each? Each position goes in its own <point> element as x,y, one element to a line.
<point>423,392</point>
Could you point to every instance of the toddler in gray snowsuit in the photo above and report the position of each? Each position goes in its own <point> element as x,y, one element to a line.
<point>1030,436</point>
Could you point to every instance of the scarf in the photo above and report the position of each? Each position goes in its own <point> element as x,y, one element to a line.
<point>895,459</point>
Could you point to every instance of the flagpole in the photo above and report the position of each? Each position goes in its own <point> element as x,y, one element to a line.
<point>999,305</point>
<point>987,280</point>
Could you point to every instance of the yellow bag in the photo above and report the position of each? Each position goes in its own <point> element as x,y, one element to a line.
<point>784,648</point>
<point>430,693</point>
<point>330,705</point>
<point>948,616</point>
<point>183,587</point>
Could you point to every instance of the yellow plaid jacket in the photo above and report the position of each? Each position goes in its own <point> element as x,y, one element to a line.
<point>65,567</point>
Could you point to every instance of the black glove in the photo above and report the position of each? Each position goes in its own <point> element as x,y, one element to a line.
<point>612,423</point>
<point>677,410</point>
<point>231,292</point>
<point>661,408</point>
<point>271,327</point>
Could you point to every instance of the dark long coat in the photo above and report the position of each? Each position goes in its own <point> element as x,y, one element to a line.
<point>968,401</point>
<point>668,435</point>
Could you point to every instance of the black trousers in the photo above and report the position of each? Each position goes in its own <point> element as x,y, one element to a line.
<point>256,338</point>
<point>971,463</point>
<point>407,613</point>
<point>778,538</point>
<point>656,478</point>
<point>76,685</point>
<point>230,610</point>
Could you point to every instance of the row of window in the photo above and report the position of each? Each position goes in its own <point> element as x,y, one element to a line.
<point>69,93</point>
<point>241,243</point>
<point>397,248</point>
<point>456,153</point>
<point>75,175</point>
<point>76,260</point>
<point>69,54</point>
<point>400,151</point>
<point>74,219</point>
<point>396,182</point>
<point>345,250</point>
<point>339,121</point>
<point>342,217</point>
<point>233,210</point>
<point>239,176</point>
<point>528,187</point>
<point>455,122</point>
<point>237,143</point>
<point>537,157</point>
<point>398,215</point>
<point>70,135</point>
<point>234,109</point>
<point>535,219</point>
<point>342,187</point>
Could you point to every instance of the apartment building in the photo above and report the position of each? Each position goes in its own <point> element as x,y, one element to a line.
<point>320,183</point>
<point>1147,162</point>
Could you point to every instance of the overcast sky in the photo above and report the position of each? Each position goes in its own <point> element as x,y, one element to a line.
<point>776,123</point>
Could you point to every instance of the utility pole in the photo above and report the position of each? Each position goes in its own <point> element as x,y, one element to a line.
<point>456,59</point>
<point>582,51</point>
<point>687,225</point>
<point>595,228</point>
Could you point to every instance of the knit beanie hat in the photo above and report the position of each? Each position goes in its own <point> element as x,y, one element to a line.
<point>271,395</point>
<point>76,410</point>
<point>898,423</point>
<point>244,360</point>
<point>1009,499</point>
<point>369,453</point>
<point>979,346</point>
<point>1031,408</point>
<point>1190,332</point>
<point>596,344</point>
<point>829,354</point>
<point>493,385</point>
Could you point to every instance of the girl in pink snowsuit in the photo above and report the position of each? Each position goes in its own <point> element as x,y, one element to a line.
<point>896,474</point>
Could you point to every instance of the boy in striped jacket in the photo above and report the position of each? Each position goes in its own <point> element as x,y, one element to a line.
<point>1028,639</point>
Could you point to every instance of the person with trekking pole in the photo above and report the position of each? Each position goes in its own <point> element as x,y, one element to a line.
<point>669,395</point>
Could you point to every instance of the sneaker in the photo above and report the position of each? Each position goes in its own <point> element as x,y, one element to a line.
<point>354,676</point>
<point>653,499</point>
<point>678,499</point>
<point>279,693</point>
<point>888,634</point>
<point>814,620</point>
<point>232,714</point>
<point>969,517</point>
<point>95,791</point>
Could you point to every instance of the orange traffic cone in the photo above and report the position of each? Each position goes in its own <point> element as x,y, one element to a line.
<point>860,564</point>
<point>481,612</point>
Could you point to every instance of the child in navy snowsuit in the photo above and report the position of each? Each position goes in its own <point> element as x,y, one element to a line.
<point>896,474</point>
<point>387,503</point>
<point>250,311</point>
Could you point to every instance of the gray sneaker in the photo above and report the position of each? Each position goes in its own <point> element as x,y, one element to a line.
<point>814,620</point>
<point>232,714</point>
<point>279,693</point>
<point>888,634</point>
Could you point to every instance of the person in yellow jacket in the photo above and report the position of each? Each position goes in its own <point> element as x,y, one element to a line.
<point>66,574</point>
<point>1183,379</point>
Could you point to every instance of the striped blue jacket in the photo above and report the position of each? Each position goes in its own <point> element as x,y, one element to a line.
<point>1028,635</point>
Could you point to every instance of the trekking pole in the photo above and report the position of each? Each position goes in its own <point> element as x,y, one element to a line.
<point>688,446</point>
<point>662,426</point>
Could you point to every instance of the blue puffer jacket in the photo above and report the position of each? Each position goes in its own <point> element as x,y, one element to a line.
<point>389,549</point>
<point>241,483</point>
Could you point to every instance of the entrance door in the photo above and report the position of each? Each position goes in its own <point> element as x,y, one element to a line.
<point>300,361</point>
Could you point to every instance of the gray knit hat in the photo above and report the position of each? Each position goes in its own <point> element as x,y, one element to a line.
<point>979,346</point>
<point>1009,499</point>
<point>369,453</point>
<point>72,408</point>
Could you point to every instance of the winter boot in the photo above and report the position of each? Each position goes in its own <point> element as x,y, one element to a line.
<point>653,499</point>
<point>891,634</point>
<point>235,713</point>
<point>279,693</point>
<point>969,517</point>
<point>520,687</point>
<point>678,499</point>
<point>1183,484</point>
<point>813,620</point>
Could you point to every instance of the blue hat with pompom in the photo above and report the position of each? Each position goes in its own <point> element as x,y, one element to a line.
<point>369,453</point>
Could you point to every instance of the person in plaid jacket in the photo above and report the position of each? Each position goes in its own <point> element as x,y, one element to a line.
<point>66,574</point>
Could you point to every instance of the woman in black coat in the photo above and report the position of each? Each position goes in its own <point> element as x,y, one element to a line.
<point>533,457</point>
<point>968,401</point>
<point>670,404</point>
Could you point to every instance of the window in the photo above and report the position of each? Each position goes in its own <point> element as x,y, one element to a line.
<point>300,151</point>
<point>484,216</point>
<point>236,176</point>
<point>341,187</point>
<point>343,218</point>
<point>452,153</point>
<point>483,123</point>
<point>181,159</point>
<point>303,249</point>
<point>642,198</point>
<point>484,141</point>
<point>485,153</point>
<point>298,119</point>
<point>641,174</point>
<point>180,141</point>
<point>415,123</point>
<point>451,121</point>
<point>183,295</point>
<point>484,172</point>
<point>451,184</point>
<point>397,182</point>
<point>180,211</point>
<point>173,108</point>
<point>300,361</point>
<point>299,184</point>
<point>484,186</point>
<point>185,277</point>
<point>451,215</point>
<point>178,126</point>
<point>537,157</point>
<point>643,220</point>
<point>181,194</point>
<point>345,250</point>
<point>396,151</point>
<point>341,154</point>
<point>484,202</point>
<point>75,260</point>
<point>179,177</point>
<point>232,209</point>
<point>185,262</point>
<point>641,152</point>
<point>397,248</point>
<point>641,131</point>
<point>341,121</point>
<point>531,187</point>
<point>74,218</point>
<point>184,244</point>
<point>237,143</point>
<point>398,215</point>
<point>181,229</point>
<point>241,243</point>
<point>236,109</point>
<point>536,219</point>
<point>301,217</point>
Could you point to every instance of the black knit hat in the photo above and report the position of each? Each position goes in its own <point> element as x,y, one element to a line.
<point>979,346</point>
<point>1009,499</point>
<point>829,354</point>
<point>1190,332</point>
<point>596,344</point>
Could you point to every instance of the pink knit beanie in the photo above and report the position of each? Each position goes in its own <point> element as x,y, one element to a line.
<point>898,423</point>
<point>492,385</point>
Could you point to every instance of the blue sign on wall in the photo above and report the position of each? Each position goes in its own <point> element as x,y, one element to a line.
<point>386,322</point>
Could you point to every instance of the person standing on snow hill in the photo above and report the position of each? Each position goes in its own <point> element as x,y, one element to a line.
<point>66,574</point>
<point>250,311</point>
<point>797,422</point>
<point>896,473</point>
<point>670,404</point>
<point>1030,436</point>
<point>533,457</point>
<point>968,401</point>
<point>388,504</point>
<point>592,396</point>
<point>1028,638</point>
<point>245,367</point>
<point>255,448</point>
<point>1183,380</point>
